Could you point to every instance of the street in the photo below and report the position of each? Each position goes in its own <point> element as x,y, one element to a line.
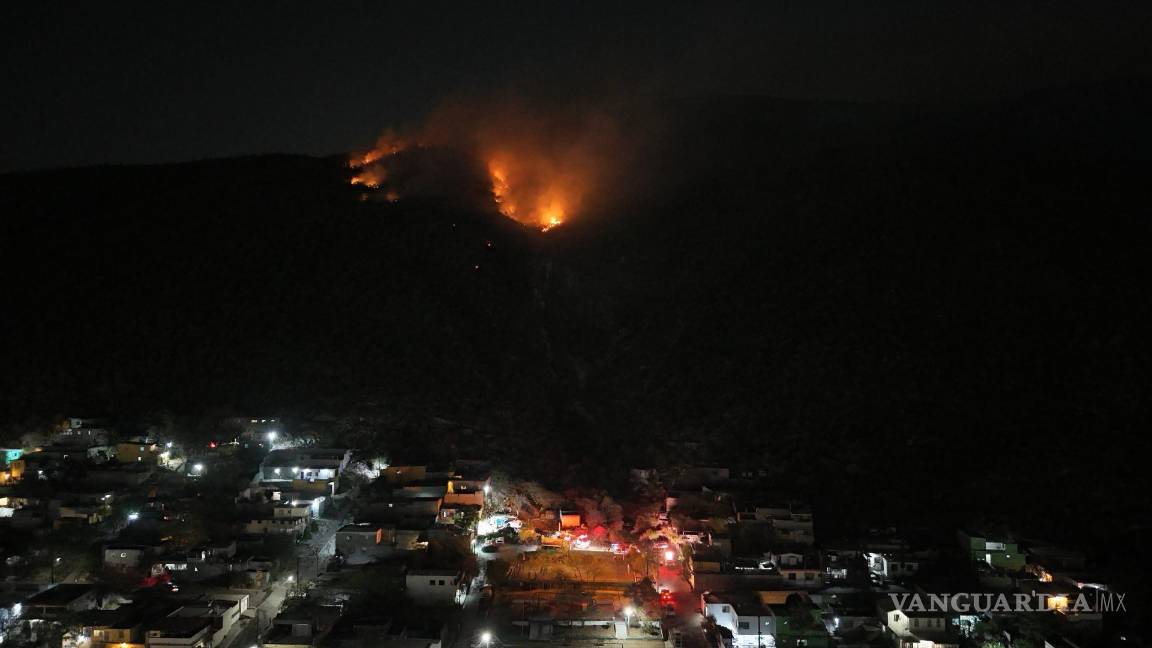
<point>311,557</point>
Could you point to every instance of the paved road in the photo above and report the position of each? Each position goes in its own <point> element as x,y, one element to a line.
<point>311,557</point>
<point>246,633</point>
<point>688,618</point>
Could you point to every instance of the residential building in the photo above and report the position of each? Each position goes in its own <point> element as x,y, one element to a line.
<point>60,599</point>
<point>917,629</point>
<point>136,451</point>
<point>1000,551</point>
<point>404,474</point>
<point>364,542</point>
<point>433,587</point>
<point>305,465</point>
<point>275,525</point>
<point>125,556</point>
<point>179,632</point>
<point>752,624</point>
<point>301,626</point>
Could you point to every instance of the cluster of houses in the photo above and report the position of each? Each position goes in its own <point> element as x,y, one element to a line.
<point>765,579</point>
<point>171,574</point>
<point>758,574</point>
<point>408,505</point>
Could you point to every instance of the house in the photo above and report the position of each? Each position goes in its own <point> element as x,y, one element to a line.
<point>752,624</point>
<point>468,485</point>
<point>846,608</point>
<point>179,632</point>
<point>301,626</point>
<point>83,432</point>
<point>404,474</point>
<point>114,628</point>
<point>60,599</point>
<point>799,622</point>
<point>887,566</point>
<point>798,569</point>
<point>214,551</point>
<point>377,504</point>
<point>430,487</point>
<point>789,522</point>
<point>449,512</point>
<point>307,465</point>
<point>125,556</point>
<point>917,629</point>
<point>79,513</point>
<point>296,508</point>
<point>1000,551</point>
<point>136,451</point>
<point>222,615</point>
<point>433,587</point>
<point>275,525</point>
<point>364,542</point>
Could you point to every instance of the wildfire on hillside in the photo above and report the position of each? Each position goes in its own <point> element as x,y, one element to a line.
<point>540,173</point>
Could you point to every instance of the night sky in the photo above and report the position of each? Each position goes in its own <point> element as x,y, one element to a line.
<point>90,83</point>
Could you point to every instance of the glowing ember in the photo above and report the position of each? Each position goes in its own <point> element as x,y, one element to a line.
<point>371,177</point>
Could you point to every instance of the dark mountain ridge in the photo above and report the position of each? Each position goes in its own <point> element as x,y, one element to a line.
<point>917,303</point>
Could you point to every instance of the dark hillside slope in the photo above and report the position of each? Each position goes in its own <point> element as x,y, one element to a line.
<point>256,284</point>
<point>863,298</point>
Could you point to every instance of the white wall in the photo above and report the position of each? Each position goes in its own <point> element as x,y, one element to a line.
<point>431,589</point>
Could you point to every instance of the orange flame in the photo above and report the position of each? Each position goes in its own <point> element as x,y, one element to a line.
<point>543,169</point>
<point>526,194</point>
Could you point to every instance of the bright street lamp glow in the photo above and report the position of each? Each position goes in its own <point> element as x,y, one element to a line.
<point>485,637</point>
<point>487,489</point>
<point>628,611</point>
<point>131,516</point>
<point>198,467</point>
<point>272,435</point>
<point>168,445</point>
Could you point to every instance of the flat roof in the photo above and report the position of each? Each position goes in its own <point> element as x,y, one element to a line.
<point>61,594</point>
<point>179,626</point>
<point>433,572</point>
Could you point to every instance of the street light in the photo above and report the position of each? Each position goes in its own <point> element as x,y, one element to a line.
<point>198,468</point>
<point>132,517</point>
<point>485,638</point>
<point>487,489</point>
<point>628,612</point>
<point>272,436</point>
